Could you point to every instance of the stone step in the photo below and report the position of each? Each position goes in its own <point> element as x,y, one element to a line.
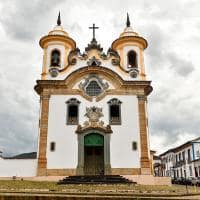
<point>95,179</point>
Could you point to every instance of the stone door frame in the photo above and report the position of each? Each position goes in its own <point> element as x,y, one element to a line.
<point>80,166</point>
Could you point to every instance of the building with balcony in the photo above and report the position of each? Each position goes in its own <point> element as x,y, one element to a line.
<point>182,161</point>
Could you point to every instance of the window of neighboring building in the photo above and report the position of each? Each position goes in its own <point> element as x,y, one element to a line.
<point>52,146</point>
<point>176,158</point>
<point>196,171</point>
<point>185,175</point>
<point>190,169</point>
<point>115,111</point>
<point>183,155</point>
<point>177,174</point>
<point>132,59</point>
<point>199,170</point>
<point>189,155</point>
<point>179,157</point>
<point>72,111</point>
<point>181,172</point>
<point>55,58</point>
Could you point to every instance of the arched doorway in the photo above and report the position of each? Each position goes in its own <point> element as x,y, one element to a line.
<point>93,154</point>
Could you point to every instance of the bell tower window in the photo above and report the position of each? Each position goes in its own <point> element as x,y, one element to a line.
<point>115,111</point>
<point>55,58</point>
<point>132,59</point>
<point>72,111</point>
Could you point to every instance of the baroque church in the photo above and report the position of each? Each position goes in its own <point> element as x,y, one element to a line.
<point>93,106</point>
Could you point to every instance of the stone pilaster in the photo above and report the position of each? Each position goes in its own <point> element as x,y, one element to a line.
<point>144,160</point>
<point>107,166</point>
<point>42,161</point>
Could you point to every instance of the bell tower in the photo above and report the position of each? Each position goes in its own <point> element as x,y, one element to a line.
<point>56,45</point>
<point>130,46</point>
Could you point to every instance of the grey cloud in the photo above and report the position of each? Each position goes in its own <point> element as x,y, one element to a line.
<point>181,66</point>
<point>172,114</point>
<point>157,40</point>
<point>23,19</point>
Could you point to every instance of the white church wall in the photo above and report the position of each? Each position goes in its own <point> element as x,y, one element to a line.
<point>122,154</point>
<point>18,167</point>
<point>83,63</point>
<point>66,152</point>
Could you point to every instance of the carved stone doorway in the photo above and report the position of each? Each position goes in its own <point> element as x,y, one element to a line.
<point>93,153</point>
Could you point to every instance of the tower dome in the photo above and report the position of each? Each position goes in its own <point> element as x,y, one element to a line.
<point>58,30</point>
<point>57,46</point>
<point>130,46</point>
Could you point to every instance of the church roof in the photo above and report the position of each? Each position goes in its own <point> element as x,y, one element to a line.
<point>128,31</point>
<point>93,45</point>
<point>58,29</point>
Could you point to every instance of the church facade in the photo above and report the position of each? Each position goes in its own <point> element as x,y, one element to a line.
<point>93,106</point>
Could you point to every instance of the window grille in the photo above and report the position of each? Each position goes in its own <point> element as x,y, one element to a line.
<point>115,111</point>
<point>93,89</point>
<point>72,111</point>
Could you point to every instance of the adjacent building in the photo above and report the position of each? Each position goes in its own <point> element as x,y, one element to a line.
<point>182,161</point>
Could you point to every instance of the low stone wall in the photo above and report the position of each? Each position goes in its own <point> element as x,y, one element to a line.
<point>149,179</point>
<point>18,167</point>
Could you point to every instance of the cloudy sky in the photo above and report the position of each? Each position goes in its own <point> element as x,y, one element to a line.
<point>171,27</point>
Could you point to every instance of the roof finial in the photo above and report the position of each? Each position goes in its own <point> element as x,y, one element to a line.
<point>59,20</point>
<point>128,23</point>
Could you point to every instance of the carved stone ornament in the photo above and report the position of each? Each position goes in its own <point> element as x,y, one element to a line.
<point>93,45</point>
<point>134,72</point>
<point>71,58</point>
<point>54,71</point>
<point>93,62</point>
<point>115,61</point>
<point>93,77</point>
<point>94,114</point>
<point>111,53</point>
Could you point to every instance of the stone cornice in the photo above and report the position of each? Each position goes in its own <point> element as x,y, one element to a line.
<point>120,84</point>
<point>48,38</point>
<point>138,39</point>
<point>106,129</point>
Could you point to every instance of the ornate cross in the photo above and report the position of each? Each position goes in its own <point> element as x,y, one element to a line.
<point>93,27</point>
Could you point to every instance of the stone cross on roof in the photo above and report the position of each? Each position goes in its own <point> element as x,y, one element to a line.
<point>93,27</point>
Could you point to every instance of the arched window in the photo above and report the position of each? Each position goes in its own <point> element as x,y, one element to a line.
<point>115,111</point>
<point>72,111</point>
<point>132,59</point>
<point>55,58</point>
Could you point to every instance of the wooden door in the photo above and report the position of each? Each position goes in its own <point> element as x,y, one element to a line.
<point>94,160</point>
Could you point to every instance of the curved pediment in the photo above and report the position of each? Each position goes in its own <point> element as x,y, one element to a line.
<point>116,84</point>
<point>105,73</point>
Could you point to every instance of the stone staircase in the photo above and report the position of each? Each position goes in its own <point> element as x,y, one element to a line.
<point>95,179</point>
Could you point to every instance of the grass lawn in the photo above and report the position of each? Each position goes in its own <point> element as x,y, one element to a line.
<point>34,186</point>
